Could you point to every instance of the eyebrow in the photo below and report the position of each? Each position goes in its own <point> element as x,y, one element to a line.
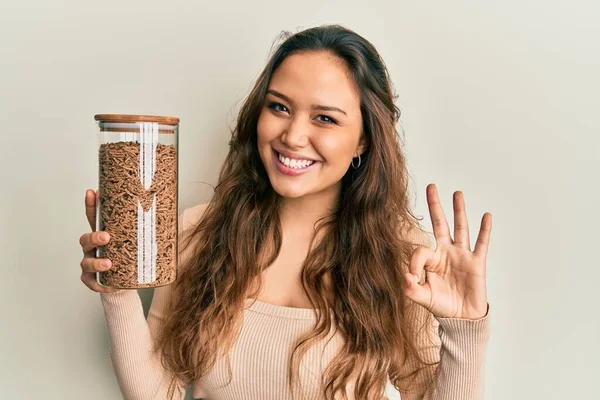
<point>314,106</point>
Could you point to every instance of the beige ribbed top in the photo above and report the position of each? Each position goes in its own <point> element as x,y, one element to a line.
<point>259,357</point>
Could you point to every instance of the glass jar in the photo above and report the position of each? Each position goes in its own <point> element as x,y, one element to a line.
<point>137,199</point>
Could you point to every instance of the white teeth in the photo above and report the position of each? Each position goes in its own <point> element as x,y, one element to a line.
<point>295,164</point>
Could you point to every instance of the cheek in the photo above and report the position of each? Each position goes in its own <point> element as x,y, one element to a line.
<point>335,148</point>
<point>260,128</point>
<point>267,127</point>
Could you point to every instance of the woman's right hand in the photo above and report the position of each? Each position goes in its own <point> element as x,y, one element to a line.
<point>89,241</point>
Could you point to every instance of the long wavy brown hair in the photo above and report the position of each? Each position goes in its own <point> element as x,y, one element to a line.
<point>361,247</point>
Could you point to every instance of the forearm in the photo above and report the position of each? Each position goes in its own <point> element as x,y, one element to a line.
<point>461,370</point>
<point>138,371</point>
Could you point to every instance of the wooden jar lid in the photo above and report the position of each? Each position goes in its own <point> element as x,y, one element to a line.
<point>131,118</point>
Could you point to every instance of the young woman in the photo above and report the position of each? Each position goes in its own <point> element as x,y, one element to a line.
<point>307,276</point>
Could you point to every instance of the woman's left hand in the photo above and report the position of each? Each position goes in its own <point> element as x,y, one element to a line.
<point>454,284</point>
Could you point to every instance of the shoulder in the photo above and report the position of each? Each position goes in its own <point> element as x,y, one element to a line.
<point>418,236</point>
<point>188,236</point>
<point>191,216</point>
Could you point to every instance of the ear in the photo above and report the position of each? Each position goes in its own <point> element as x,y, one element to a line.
<point>363,144</point>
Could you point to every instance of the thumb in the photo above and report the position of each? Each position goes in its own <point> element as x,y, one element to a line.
<point>90,207</point>
<point>417,293</point>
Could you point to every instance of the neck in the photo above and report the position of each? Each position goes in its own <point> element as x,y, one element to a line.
<point>299,215</point>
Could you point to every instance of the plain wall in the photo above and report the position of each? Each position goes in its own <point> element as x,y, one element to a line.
<point>498,99</point>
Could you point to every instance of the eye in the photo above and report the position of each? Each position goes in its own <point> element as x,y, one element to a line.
<point>328,119</point>
<point>274,106</point>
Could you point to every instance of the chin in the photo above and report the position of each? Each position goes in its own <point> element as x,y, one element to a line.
<point>289,191</point>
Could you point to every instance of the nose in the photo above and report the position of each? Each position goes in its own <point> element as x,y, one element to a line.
<point>296,134</point>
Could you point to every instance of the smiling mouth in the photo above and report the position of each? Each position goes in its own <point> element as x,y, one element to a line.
<point>293,163</point>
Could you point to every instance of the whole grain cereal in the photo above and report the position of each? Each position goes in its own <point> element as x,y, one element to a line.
<point>142,223</point>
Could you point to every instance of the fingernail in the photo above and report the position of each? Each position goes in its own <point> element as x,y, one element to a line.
<point>106,263</point>
<point>416,278</point>
<point>104,236</point>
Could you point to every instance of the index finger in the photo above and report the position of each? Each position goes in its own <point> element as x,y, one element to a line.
<point>90,207</point>
<point>423,259</point>
<point>90,240</point>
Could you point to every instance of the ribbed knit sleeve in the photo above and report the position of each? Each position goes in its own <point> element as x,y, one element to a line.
<point>462,358</point>
<point>458,344</point>
<point>138,370</point>
<point>260,356</point>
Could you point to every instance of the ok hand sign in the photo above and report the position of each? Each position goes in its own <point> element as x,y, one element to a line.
<point>454,284</point>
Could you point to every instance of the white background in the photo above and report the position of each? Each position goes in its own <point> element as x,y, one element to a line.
<point>498,99</point>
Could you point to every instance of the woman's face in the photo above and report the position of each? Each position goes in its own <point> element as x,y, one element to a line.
<point>310,126</point>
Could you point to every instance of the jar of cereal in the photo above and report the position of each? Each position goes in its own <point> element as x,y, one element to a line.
<point>137,199</point>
